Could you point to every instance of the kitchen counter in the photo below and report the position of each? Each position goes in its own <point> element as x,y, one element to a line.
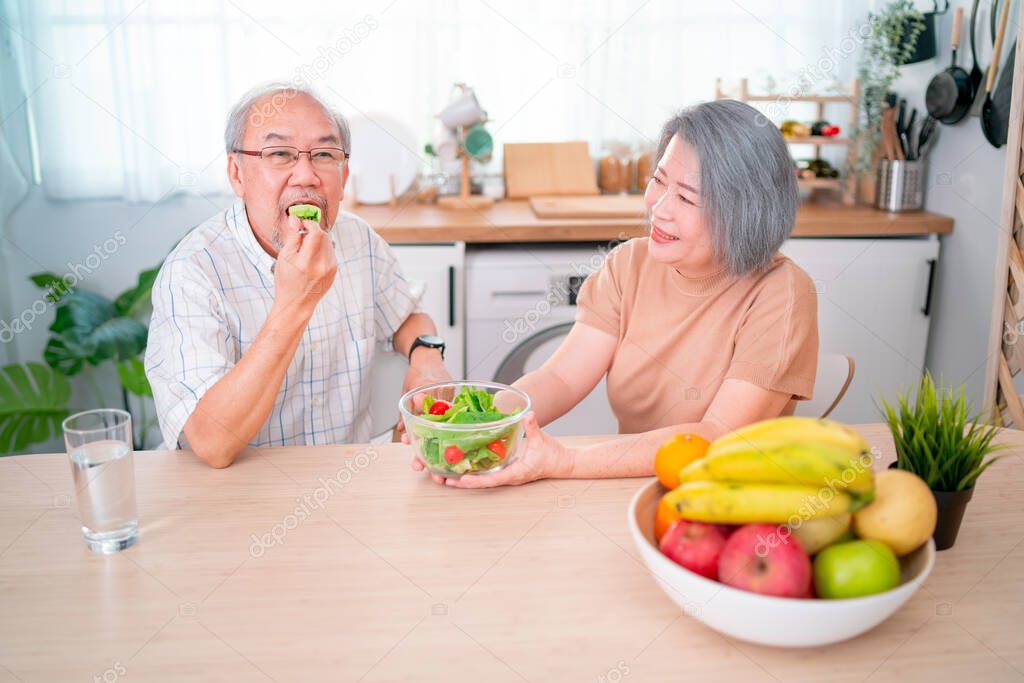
<point>340,563</point>
<point>514,221</point>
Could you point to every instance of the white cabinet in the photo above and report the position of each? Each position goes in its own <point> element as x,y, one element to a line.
<point>438,270</point>
<point>873,305</point>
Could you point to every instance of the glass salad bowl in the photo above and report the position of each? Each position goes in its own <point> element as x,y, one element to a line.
<point>464,427</point>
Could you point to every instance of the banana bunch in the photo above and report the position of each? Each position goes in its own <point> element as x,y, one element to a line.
<point>774,470</point>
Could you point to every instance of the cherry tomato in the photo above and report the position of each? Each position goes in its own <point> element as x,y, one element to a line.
<point>453,454</point>
<point>439,408</point>
<point>498,448</point>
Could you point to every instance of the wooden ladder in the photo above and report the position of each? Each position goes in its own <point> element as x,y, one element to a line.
<point>1006,337</point>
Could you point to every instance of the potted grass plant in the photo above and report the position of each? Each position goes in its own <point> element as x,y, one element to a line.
<point>940,439</point>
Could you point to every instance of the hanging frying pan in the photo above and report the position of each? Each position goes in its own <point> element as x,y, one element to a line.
<point>991,121</point>
<point>949,93</point>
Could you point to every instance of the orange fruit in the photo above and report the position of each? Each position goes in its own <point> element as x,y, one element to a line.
<point>664,517</point>
<point>675,454</point>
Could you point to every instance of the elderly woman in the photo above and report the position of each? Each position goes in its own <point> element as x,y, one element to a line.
<point>703,326</point>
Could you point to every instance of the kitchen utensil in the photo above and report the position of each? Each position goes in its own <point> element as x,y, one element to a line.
<point>602,206</point>
<point>767,620</point>
<point>445,143</point>
<point>990,120</point>
<point>975,76</point>
<point>883,134</point>
<point>464,110</point>
<point>895,150</point>
<point>948,96</point>
<point>927,141</point>
<point>479,143</point>
<point>900,185</point>
<point>927,131</point>
<point>548,168</point>
<point>384,161</point>
<point>1001,96</point>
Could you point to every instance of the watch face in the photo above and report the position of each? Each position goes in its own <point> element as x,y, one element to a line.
<point>431,340</point>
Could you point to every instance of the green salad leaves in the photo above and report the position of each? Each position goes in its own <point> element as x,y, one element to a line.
<point>458,451</point>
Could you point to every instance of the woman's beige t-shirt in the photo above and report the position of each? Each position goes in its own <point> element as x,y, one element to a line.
<point>679,338</point>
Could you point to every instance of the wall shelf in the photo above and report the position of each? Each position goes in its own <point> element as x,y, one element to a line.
<point>846,186</point>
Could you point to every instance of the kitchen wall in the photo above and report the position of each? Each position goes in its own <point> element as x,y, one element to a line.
<point>106,243</point>
<point>965,180</point>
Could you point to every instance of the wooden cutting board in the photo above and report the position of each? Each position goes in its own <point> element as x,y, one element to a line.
<point>601,206</point>
<point>548,168</point>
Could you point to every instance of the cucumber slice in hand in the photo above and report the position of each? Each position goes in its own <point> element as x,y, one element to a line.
<point>305,212</point>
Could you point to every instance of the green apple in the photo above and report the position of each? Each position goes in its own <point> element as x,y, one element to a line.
<point>854,569</point>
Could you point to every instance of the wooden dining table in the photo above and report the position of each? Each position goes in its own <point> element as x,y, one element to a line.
<point>339,563</point>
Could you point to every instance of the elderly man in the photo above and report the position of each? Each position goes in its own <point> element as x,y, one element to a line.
<point>264,326</point>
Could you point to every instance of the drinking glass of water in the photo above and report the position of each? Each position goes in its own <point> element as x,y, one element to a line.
<point>99,445</point>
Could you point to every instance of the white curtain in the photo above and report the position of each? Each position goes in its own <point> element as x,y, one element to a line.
<point>15,145</point>
<point>131,96</point>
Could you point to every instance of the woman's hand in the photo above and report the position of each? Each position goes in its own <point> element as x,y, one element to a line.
<point>541,456</point>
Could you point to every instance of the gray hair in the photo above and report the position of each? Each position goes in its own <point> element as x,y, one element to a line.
<point>279,93</point>
<point>747,180</point>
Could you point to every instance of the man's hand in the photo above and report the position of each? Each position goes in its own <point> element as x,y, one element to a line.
<point>425,367</point>
<point>305,266</point>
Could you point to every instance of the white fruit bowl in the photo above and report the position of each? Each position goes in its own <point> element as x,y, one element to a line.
<point>766,620</point>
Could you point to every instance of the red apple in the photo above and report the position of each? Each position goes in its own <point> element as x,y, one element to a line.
<point>765,559</point>
<point>694,545</point>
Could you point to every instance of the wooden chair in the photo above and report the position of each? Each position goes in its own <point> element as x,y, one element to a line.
<point>835,372</point>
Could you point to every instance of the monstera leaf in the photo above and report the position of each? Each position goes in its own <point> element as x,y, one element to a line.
<point>55,287</point>
<point>33,402</point>
<point>88,329</point>
<point>132,374</point>
<point>131,301</point>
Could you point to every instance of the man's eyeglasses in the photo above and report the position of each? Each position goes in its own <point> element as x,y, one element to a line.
<point>286,157</point>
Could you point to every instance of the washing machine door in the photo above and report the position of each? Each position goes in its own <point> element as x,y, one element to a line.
<point>592,415</point>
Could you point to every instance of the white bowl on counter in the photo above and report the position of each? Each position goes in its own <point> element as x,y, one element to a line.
<point>762,619</point>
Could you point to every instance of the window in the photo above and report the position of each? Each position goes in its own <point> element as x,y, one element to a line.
<point>130,97</point>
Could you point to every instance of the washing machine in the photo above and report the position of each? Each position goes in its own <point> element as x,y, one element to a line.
<point>520,305</point>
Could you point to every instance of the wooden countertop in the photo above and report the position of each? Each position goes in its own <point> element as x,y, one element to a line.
<point>514,221</point>
<point>378,574</point>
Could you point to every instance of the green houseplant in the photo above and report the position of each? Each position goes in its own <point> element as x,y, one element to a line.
<point>890,37</point>
<point>941,440</point>
<point>89,334</point>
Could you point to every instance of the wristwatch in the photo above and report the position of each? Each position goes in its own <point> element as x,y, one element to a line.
<point>431,341</point>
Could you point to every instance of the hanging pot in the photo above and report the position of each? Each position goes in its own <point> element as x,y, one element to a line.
<point>924,48</point>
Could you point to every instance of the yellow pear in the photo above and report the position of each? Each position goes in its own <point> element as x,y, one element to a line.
<point>815,534</point>
<point>902,514</point>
